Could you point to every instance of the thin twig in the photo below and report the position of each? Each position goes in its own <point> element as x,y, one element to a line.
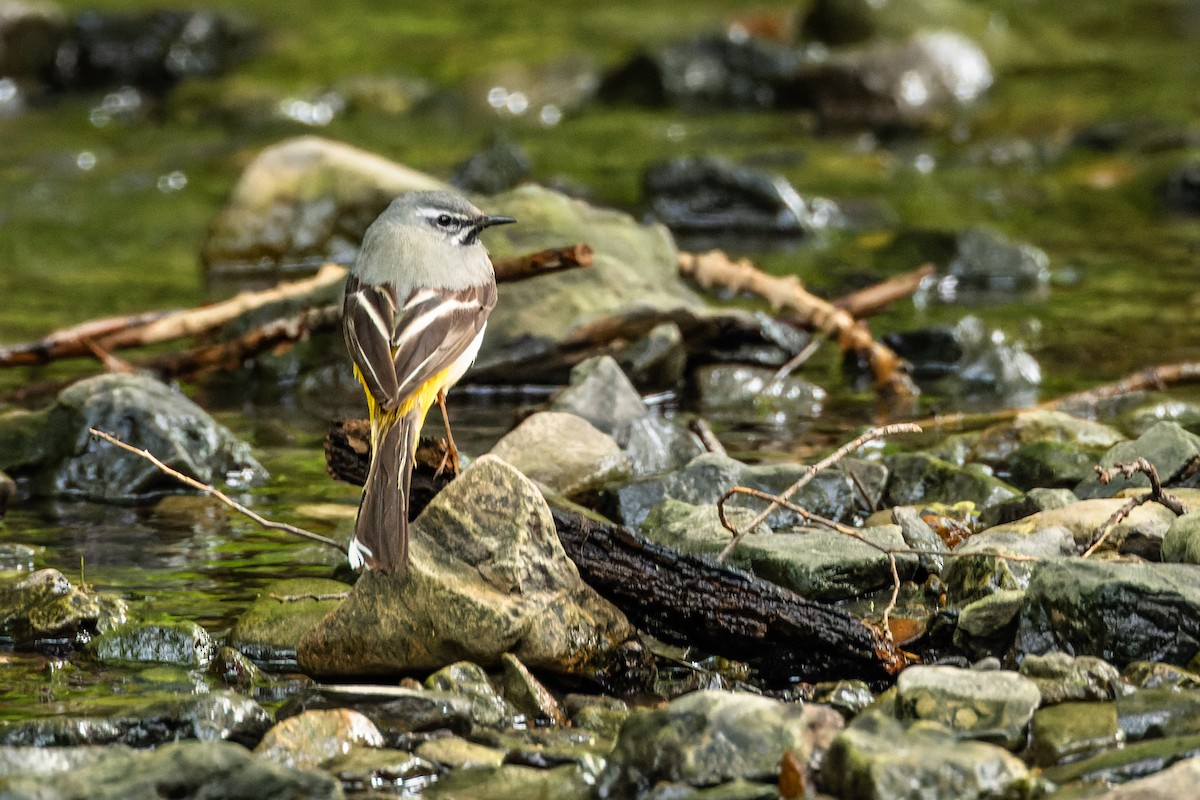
<point>1155,495</point>
<point>295,598</point>
<point>707,438</point>
<point>833,458</point>
<point>796,361</point>
<point>214,492</point>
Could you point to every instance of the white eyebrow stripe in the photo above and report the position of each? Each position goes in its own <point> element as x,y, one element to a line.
<point>434,213</point>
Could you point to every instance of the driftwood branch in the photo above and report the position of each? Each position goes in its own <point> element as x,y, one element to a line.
<point>714,268</point>
<point>189,481</point>
<point>543,262</point>
<point>877,297</point>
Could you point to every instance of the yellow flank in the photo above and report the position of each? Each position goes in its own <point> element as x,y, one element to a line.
<point>425,396</point>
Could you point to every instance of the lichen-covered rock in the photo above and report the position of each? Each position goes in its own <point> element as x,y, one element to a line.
<point>1166,445</point>
<point>486,575</point>
<point>44,607</point>
<point>990,705</point>
<point>285,610</point>
<point>1061,677</point>
<point>307,740</point>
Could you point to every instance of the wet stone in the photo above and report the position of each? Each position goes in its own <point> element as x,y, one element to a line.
<point>1050,465</point>
<point>1154,713</point>
<point>658,361</point>
<point>17,762</point>
<point>1166,445</point>
<point>1062,677</point>
<point>881,757</point>
<point>285,610</point>
<point>395,710</point>
<point>43,609</point>
<point>514,782</point>
<point>1148,522</point>
<point>743,394</point>
<point>989,263</point>
<point>708,737</point>
<point>458,753</point>
<point>1120,612</point>
<point>360,767</point>
<point>307,740</point>
<point>169,641</point>
<point>992,706</point>
<point>1033,501</point>
<point>918,478</point>
<point>1181,542</point>
<point>210,717</point>
<point>564,452</point>
<point>488,707</point>
<point>988,625</point>
<point>1134,760</point>
<point>998,443</point>
<point>1142,419</point>
<point>979,570</point>
<point>1156,675</point>
<point>919,536</point>
<point>1073,730</point>
<point>236,670</point>
<point>1175,782</point>
<point>527,694</point>
<point>501,166</point>
<point>183,770</point>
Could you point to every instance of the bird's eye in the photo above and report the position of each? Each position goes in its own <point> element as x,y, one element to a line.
<point>445,220</point>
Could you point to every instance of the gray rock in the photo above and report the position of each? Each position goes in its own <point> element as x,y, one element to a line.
<point>873,86</point>
<point>1181,542</point>
<point>880,757</point>
<point>1050,465</point>
<point>486,575</point>
<point>657,362</point>
<point>1147,523</point>
<point>987,626</point>
<point>395,710</point>
<point>992,706</point>
<point>916,478</point>
<point>513,782</point>
<point>16,557</point>
<point>601,393</point>
<point>708,477</point>
<point>30,35</point>
<point>988,262</point>
<point>825,565</point>
<point>919,536</point>
<point>285,610</point>
<point>635,275</point>
<point>54,447</point>
<point>1177,781</point>
<point>1143,418</point>
<point>1033,501</point>
<point>1166,445</point>
<point>210,717</point>
<point>710,737</point>
<point>47,762</point>
<point>186,770</point>
<point>44,605</point>
<point>488,707</point>
<point>500,166</point>
<point>307,740</point>
<point>1073,730</point>
<point>1120,612</point>
<point>731,393</point>
<point>997,443</point>
<point>305,200</point>
<point>979,568</point>
<point>168,641</point>
<point>563,451</point>
<point>694,528</point>
<point>1062,677</point>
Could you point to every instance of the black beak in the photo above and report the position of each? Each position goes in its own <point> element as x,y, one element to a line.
<point>487,222</point>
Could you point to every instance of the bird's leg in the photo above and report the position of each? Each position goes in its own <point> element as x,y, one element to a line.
<point>451,456</point>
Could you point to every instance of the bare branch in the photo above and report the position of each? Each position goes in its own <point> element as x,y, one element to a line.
<point>214,492</point>
<point>1155,495</point>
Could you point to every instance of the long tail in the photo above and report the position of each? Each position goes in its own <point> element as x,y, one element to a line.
<point>381,531</point>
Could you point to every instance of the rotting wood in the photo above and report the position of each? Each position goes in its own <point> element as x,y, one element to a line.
<point>890,372</point>
<point>680,597</point>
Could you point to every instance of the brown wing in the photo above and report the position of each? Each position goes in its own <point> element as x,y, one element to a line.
<point>368,323</point>
<point>434,328</point>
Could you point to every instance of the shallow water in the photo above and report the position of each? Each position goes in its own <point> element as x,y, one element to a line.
<point>100,219</point>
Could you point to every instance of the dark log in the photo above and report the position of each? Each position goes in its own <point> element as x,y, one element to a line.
<point>679,597</point>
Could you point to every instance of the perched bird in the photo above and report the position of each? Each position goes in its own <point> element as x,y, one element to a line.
<point>416,305</point>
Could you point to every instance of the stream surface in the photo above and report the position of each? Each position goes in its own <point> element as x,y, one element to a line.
<point>103,214</point>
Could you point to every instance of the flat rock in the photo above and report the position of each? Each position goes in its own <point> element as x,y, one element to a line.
<point>486,575</point>
<point>285,610</point>
<point>1061,677</point>
<point>990,705</point>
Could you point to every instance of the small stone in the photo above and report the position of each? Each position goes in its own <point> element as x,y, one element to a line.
<point>309,739</point>
<point>181,642</point>
<point>456,753</point>
<point>563,451</point>
<point>1073,730</point>
<point>1061,677</point>
<point>527,694</point>
<point>488,707</point>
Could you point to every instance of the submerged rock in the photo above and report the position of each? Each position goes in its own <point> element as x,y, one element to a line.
<point>486,575</point>
<point>707,194</point>
<point>210,717</point>
<point>917,478</point>
<point>182,770</point>
<point>740,394</point>
<point>54,448</point>
<point>711,737</point>
<point>285,610</point>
